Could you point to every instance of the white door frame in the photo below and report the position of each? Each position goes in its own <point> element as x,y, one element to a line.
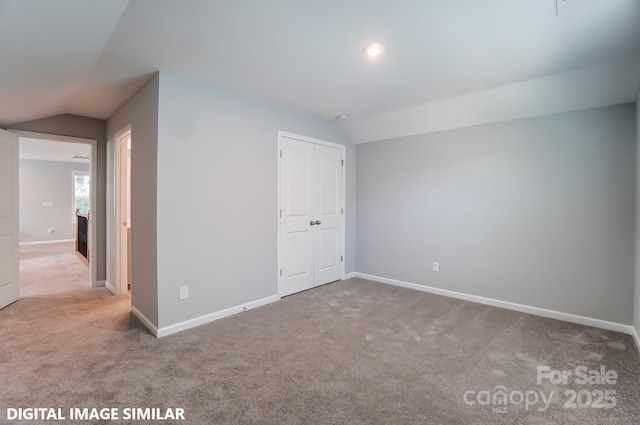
<point>120,209</point>
<point>93,172</point>
<point>282,135</point>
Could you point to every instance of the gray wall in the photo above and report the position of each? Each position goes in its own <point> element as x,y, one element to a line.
<point>141,111</point>
<point>217,163</point>
<point>86,128</point>
<point>48,181</point>
<point>538,211</point>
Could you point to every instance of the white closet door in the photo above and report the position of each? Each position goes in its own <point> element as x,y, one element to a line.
<point>311,222</point>
<point>9,261</point>
<point>296,237</point>
<point>327,208</point>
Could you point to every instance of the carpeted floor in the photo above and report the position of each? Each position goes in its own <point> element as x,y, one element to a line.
<point>354,352</point>
<point>51,269</point>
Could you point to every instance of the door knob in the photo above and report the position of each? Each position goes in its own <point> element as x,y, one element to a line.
<point>318,222</point>
<point>313,223</point>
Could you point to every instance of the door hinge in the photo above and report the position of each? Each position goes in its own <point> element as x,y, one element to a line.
<point>341,258</point>
<point>280,213</point>
<point>341,210</point>
<point>343,162</point>
<point>280,153</point>
<point>280,272</point>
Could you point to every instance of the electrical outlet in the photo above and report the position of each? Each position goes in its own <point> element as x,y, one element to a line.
<point>51,231</point>
<point>436,266</point>
<point>184,292</point>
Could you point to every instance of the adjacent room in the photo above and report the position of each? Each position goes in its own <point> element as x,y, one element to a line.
<point>325,212</point>
<point>55,198</point>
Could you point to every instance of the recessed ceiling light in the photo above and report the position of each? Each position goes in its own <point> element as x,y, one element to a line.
<point>373,50</point>
<point>341,117</point>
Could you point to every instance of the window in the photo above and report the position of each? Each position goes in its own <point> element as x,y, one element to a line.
<point>81,192</point>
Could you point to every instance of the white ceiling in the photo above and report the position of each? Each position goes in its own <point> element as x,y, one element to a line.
<point>87,58</point>
<point>47,150</point>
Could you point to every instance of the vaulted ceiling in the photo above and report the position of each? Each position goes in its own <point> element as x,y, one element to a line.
<point>458,56</point>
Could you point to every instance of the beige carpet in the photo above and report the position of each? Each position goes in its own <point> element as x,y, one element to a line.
<point>51,269</point>
<point>356,352</point>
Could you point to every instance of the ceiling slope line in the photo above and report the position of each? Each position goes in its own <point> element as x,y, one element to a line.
<point>589,87</point>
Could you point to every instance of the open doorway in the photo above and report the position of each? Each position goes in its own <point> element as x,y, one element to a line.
<point>122,207</point>
<point>57,186</point>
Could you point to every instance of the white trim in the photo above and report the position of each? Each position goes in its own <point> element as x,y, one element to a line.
<point>120,209</point>
<point>75,173</point>
<point>52,137</point>
<point>536,311</point>
<point>46,242</point>
<point>349,276</point>
<point>278,215</point>
<point>93,209</point>
<point>636,337</point>
<point>284,134</point>
<point>110,287</point>
<point>192,323</point>
<point>145,321</point>
<point>343,148</point>
<point>101,283</point>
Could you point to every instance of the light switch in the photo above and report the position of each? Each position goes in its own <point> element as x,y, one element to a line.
<point>184,292</point>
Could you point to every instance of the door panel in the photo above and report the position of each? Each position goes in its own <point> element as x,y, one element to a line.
<point>298,245</point>
<point>296,190</point>
<point>328,241</point>
<point>327,252</point>
<point>329,170</point>
<point>6,255</point>
<point>311,226</point>
<point>298,182</point>
<point>9,260</point>
<point>6,179</point>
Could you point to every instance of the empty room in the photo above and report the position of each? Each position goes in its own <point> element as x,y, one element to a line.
<point>320,212</point>
<point>54,205</point>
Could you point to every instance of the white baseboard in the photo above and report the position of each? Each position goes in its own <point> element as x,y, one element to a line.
<point>46,242</point>
<point>110,287</point>
<point>100,283</point>
<point>636,337</point>
<point>145,321</point>
<point>537,311</point>
<point>192,323</point>
<point>349,276</point>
